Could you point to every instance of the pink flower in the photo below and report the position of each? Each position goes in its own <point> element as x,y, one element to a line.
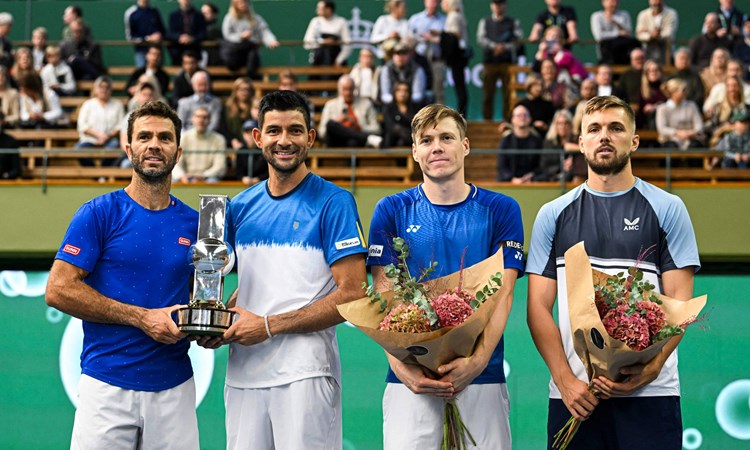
<point>653,315</point>
<point>406,318</point>
<point>633,329</point>
<point>452,308</point>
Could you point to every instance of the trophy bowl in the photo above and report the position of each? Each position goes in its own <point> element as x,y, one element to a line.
<point>204,320</point>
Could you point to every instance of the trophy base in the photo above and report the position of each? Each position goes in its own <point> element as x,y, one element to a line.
<point>204,321</point>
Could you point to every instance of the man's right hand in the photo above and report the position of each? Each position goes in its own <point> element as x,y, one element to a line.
<point>159,325</point>
<point>577,397</point>
<point>414,378</point>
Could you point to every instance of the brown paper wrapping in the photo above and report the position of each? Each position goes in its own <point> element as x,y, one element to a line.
<point>602,354</point>
<point>438,347</point>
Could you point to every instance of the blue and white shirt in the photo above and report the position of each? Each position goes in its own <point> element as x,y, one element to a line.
<point>479,225</point>
<point>616,227</point>
<point>285,246</point>
<point>140,257</point>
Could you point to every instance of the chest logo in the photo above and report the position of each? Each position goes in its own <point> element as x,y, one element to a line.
<point>184,241</point>
<point>413,228</point>
<point>631,225</point>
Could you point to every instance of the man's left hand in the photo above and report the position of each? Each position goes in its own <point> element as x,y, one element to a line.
<point>461,372</point>
<point>247,329</point>
<point>636,376</point>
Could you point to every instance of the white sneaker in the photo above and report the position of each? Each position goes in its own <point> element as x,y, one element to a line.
<point>374,140</point>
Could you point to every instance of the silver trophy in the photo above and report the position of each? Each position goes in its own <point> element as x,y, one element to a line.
<point>206,314</point>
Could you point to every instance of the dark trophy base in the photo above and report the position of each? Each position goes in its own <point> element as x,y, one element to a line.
<point>204,321</point>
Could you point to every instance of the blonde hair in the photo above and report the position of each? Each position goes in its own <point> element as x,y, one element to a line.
<point>431,115</point>
<point>552,135</point>
<point>233,104</point>
<point>603,102</point>
<point>645,85</point>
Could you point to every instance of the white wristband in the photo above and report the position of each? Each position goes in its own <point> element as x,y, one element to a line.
<point>268,330</point>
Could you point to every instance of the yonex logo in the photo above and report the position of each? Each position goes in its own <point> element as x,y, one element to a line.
<point>413,228</point>
<point>631,225</point>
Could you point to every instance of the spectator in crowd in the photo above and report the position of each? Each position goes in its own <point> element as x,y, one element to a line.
<point>650,95</point>
<point>730,20</point>
<point>568,66</point>
<point>678,120</point>
<point>201,97</point>
<point>6,48</point>
<point>588,91</point>
<point>144,93</point>
<point>288,82</point>
<point>684,71</point>
<point>348,120</point>
<point>70,14</point>
<point>734,102</point>
<point>390,28</point>
<point>556,15</point>
<point>630,80</point>
<point>605,83</point>
<point>251,168</point>
<point>158,96</point>
<point>613,32</point>
<point>736,143</point>
<point>38,47</point>
<point>656,27</point>
<point>397,117</point>
<point>152,68</point>
<point>10,163</point>
<point>519,168</point>
<point>365,75</point>
<point>143,27</point>
<point>561,136</point>
<point>82,53</point>
<point>327,36</point>
<point>187,29</point>
<point>426,26</point>
<point>181,83</point>
<point>203,152</point>
<point>703,45</point>
<point>237,110</point>
<point>24,64</point>
<point>716,71</point>
<point>402,68</point>
<point>213,32</point>
<point>735,69</point>
<point>500,37</point>
<point>742,47</point>
<point>38,107</point>
<point>556,88</point>
<point>100,119</point>
<point>454,46</point>
<point>243,32</point>
<point>9,100</point>
<point>540,109</point>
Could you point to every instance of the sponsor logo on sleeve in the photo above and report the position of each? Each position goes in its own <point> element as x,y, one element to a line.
<point>376,251</point>
<point>340,245</point>
<point>513,244</point>
<point>183,241</point>
<point>71,249</point>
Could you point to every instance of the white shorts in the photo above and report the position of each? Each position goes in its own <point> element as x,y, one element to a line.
<point>415,421</point>
<point>115,418</point>
<point>304,414</point>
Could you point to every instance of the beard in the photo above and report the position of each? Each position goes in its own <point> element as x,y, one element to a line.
<point>154,175</point>
<point>608,167</point>
<point>285,167</point>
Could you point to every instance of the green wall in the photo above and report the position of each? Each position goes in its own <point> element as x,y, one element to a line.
<point>33,222</point>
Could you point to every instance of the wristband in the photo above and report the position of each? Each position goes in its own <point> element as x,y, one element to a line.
<point>268,330</point>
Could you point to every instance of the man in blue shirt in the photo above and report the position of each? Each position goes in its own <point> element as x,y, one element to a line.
<point>123,269</point>
<point>144,27</point>
<point>300,252</point>
<point>441,219</point>
<point>617,216</point>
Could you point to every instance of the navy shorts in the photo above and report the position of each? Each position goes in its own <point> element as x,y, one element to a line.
<point>642,423</point>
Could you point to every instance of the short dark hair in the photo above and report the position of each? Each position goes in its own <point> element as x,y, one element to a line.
<point>330,5</point>
<point>157,109</point>
<point>284,101</point>
<point>212,7</point>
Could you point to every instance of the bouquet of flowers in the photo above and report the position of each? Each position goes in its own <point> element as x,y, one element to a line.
<point>430,323</point>
<point>617,321</point>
